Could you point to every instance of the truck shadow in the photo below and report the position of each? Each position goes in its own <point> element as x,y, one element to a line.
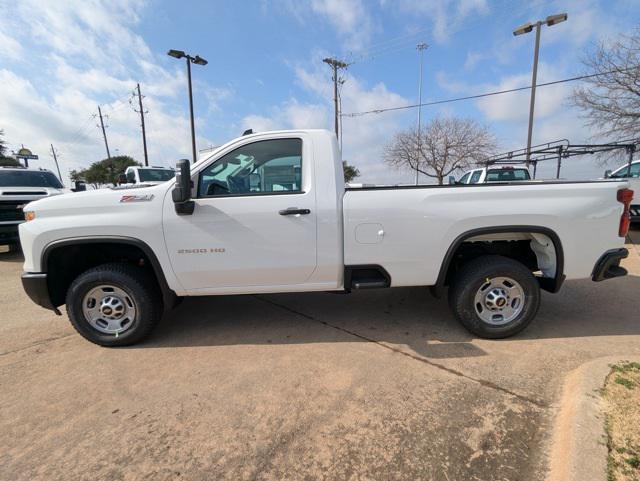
<point>402,318</point>
<point>6,256</point>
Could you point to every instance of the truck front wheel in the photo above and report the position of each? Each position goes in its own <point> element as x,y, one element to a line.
<point>114,304</point>
<point>494,296</point>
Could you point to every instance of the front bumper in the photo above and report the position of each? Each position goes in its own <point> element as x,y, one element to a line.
<point>608,266</point>
<point>35,285</point>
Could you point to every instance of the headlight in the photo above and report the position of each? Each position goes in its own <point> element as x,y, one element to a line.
<point>29,215</point>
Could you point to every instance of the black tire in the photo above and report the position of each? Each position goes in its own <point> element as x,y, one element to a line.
<point>473,276</point>
<point>137,283</point>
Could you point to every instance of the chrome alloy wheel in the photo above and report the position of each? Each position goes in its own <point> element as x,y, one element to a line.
<point>109,309</point>
<point>499,301</point>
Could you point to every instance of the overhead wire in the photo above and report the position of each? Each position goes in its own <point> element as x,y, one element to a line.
<point>471,97</point>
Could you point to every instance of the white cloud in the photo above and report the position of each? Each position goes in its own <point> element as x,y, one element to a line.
<point>10,47</point>
<point>88,54</point>
<point>364,137</point>
<point>445,15</point>
<point>349,17</point>
<point>515,106</point>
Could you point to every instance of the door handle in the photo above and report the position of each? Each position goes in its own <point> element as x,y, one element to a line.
<point>294,211</point>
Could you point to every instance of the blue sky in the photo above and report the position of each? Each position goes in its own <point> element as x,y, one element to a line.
<point>59,60</point>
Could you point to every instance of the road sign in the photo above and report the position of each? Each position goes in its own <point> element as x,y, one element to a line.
<point>25,154</point>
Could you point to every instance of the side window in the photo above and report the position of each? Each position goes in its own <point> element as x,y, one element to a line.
<point>264,167</point>
<point>131,177</point>
<point>464,178</point>
<point>475,177</point>
<point>635,171</point>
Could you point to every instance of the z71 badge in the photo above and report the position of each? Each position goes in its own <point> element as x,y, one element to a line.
<point>136,198</point>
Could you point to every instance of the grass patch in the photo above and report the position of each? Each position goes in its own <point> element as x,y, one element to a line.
<point>622,423</point>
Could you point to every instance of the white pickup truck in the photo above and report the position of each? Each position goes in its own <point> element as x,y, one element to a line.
<point>498,173</point>
<point>269,213</point>
<point>18,187</point>
<point>631,173</point>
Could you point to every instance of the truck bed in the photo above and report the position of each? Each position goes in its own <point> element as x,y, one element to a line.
<point>407,230</point>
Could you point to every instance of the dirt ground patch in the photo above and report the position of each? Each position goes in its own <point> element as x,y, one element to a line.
<point>622,396</point>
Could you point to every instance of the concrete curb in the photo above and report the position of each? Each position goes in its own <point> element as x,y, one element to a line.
<point>578,448</point>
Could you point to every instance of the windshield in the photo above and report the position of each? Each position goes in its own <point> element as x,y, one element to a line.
<point>156,175</point>
<point>626,172</point>
<point>507,175</point>
<point>29,178</point>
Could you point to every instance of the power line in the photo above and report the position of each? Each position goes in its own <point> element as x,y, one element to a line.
<point>471,97</point>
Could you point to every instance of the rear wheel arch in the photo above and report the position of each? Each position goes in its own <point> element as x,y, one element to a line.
<point>546,283</point>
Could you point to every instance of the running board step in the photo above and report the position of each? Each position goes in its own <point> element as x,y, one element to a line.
<point>369,284</point>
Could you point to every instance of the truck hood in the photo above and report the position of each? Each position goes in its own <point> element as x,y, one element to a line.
<point>28,194</point>
<point>97,201</point>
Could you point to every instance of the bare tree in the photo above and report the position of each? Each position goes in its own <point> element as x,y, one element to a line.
<point>611,101</point>
<point>446,144</point>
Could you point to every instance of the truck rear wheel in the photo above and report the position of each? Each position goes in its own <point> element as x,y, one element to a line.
<point>494,296</point>
<point>114,304</point>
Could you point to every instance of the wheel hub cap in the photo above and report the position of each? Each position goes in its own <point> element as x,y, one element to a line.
<point>499,300</point>
<point>109,309</point>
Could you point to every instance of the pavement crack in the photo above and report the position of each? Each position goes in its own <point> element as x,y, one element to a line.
<point>483,382</point>
<point>38,343</point>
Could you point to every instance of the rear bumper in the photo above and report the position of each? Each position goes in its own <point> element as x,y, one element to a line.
<point>608,266</point>
<point>35,285</point>
<point>9,233</point>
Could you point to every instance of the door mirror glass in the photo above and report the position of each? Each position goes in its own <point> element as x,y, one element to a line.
<point>122,179</point>
<point>607,173</point>
<point>452,180</point>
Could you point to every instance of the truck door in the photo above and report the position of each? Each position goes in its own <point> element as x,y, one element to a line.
<point>254,222</point>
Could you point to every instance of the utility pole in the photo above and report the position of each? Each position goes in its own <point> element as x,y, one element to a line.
<point>104,134</point>
<point>421,48</point>
<point>144,134</point>
<point>335,65</point>
<point>55,159</point>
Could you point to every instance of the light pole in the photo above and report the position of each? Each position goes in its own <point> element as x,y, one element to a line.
<point>421,48</point>
<point>526,28</point>
<point>198,60</point>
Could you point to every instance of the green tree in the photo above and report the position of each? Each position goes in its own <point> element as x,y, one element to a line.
<point>3,144</point>
<point>350,171</point>
<point>4,160</point>
<point>9,162</point>
<point>105,171</point>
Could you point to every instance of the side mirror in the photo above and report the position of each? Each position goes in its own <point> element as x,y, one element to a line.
<point>607,173</point>
<point>122,179</point>
<point>181,193</point>
<point>80,186</point>
<point>452,180</point>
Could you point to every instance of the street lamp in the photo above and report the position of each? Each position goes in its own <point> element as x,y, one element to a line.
<point>526,28</point>
<point>198,60</point>
<point>420,47</point>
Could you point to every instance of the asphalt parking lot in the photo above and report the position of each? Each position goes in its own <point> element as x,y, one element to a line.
<point>376,385</point>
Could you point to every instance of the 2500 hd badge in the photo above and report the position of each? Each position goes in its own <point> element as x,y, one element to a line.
<point>210,250</point>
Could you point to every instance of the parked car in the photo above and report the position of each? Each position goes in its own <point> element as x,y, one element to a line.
<point>269,213</point>
<point>18,187</point>
<point>632,174</point>
<point>503,173</point>
<point>147,175</point>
